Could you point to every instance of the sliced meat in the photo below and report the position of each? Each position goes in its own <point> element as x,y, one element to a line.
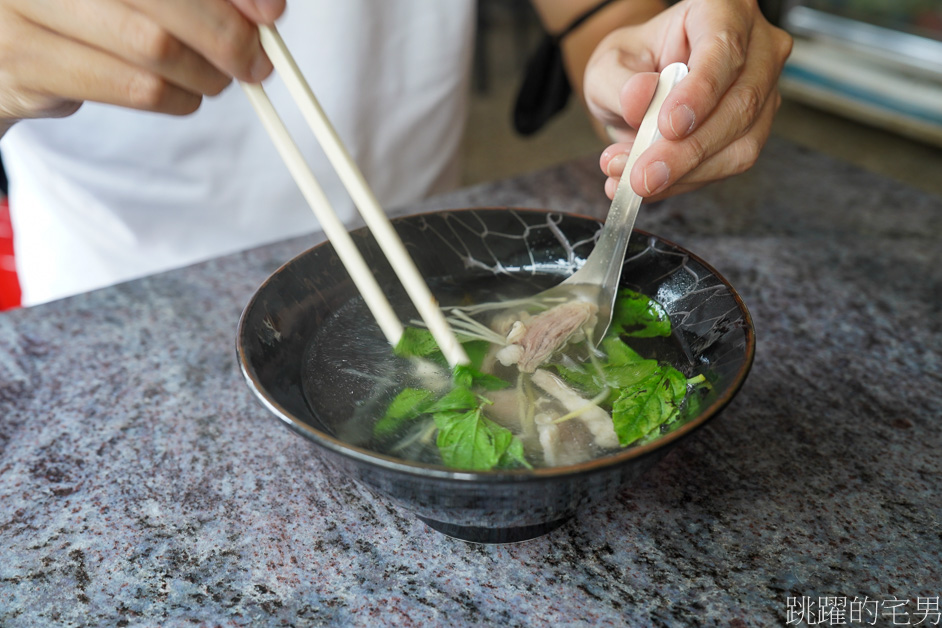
<point>549,439</point>
<point>597,420</point>
<point>532,342</point>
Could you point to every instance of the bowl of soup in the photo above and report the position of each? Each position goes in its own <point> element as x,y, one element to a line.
<point>508,448</point>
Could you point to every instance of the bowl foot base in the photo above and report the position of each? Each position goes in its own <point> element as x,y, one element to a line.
<point>478,534</point>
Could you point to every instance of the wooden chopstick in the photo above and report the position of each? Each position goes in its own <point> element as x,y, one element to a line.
<point>362,196</point>
<point>333,228</point>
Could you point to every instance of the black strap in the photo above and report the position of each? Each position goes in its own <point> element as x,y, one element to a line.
<point>545,89</point>
<point>576,23</point>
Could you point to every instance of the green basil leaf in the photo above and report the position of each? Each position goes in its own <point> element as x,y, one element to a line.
<point>461,376</point>
<point>698,388</point>
<point>641,409</point>
<point>622,368</point>
<point>471,377</point>
<point>629,375</point>
<point>445,418</point>
<point>476,350</point>
<point>513,455</point>
<point>465,442</point>
<point>416,342</point>
<point>407,405</point>
<point>585,379</point>
<point>639,316</point>
<point>617,352</point>
<point>473,442</point>
<point>459,398</point>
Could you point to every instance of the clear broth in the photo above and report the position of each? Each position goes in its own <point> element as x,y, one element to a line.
<point>350,374</point>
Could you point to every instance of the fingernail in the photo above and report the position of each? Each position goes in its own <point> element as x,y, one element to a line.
<point>610,185</point>
<point>261,68</point>
<point>656,176</point>
<point>682,120</point>
<point>616,165</point>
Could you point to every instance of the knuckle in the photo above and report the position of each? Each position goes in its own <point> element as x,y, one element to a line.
<point>712,88</point>
<point>150,42</point>
<point>733,45</point>
<point>697,150</point>
<point>785,44</point>
<point>234,45</point>
<point>749,101</point>
<point>147,91</point>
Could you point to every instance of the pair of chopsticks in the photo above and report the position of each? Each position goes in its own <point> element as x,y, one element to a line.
<point>362,196</point>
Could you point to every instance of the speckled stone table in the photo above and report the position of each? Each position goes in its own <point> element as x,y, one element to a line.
<point>141,483</point>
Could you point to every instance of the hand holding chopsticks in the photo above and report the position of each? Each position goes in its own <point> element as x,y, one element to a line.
<point>362,196</point>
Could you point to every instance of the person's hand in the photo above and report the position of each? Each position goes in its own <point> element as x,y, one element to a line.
<point>716,120</point>
<point>153,55</point>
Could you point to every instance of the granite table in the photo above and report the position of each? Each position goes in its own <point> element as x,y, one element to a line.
<point>142,484</point>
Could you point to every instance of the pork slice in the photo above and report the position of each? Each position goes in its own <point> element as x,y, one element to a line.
<point>549,439</point>
<point>597,420</point>
<point>531,343</point>
<point>561,443</point>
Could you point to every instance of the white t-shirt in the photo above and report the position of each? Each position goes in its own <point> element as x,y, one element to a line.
<point>110,194</point>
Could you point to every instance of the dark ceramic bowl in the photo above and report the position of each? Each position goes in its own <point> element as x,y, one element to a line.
<point>297,316</point>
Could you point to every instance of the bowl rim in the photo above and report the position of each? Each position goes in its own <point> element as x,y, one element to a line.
<point>391,463</point>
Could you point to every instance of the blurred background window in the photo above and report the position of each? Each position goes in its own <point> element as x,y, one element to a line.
<point>877,61</point>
